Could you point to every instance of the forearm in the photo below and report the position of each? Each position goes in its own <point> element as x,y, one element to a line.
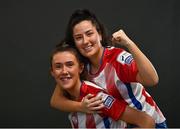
<point>118,110</point>
<point>60,102</point>
<point>147,74</point>
<point>138,118</point>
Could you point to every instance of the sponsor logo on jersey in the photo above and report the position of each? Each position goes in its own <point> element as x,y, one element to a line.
<point>107,99</point>
<point>125,58</point>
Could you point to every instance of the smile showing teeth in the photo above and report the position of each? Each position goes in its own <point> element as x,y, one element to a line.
<point>87,48</point>
<point>65,78</point>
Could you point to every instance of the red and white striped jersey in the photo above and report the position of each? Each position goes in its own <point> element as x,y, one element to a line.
<point>117,74</point>
<point>110,113</point>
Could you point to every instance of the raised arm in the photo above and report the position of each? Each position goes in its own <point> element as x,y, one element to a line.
<point>147,74</point>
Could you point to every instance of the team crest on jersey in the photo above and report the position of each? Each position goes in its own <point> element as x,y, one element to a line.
<point>107,99</point>
<point>125,58</point>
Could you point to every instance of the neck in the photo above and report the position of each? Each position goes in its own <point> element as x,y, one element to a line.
<point>96,60</point>
<point>75,91</point>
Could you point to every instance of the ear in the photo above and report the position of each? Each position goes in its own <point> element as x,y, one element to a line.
<point>81,67</point>
<point>51,71</point>
<point>100,37</point>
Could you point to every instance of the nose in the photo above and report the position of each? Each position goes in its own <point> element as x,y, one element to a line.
<point>64,70</point>
<point>85,39</point>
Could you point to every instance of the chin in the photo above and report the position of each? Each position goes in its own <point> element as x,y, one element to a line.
<point>89,54</point>
<point>67,87</point>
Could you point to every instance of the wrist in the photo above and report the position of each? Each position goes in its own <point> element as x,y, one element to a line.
<point>129,45</point>
<point>79,107</point>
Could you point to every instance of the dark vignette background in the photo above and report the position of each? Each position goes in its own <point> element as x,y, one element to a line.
<point>29,29</point>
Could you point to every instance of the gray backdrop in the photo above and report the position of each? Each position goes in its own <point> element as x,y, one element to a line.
<point>29,29</point>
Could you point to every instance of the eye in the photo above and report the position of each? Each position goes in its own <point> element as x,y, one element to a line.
<point>90,33</point>
<point>58,65</point>
<point>78,38</point>
<point>69,64</point>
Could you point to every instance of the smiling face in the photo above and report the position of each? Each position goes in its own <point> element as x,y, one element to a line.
<point>66,70</point>
<point>87,39</point>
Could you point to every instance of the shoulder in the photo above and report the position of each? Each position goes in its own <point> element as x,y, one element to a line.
<point>90,88</point>
<point>113,50</point>
<point>117,54</point>
<point>91,84</point>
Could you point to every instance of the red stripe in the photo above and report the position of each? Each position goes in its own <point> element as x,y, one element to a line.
<point>148,98</point>
<point>75,120</point>
<point>111,86</point>
<point>90,122</point>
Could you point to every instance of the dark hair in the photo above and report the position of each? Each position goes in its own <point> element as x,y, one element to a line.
<point>81,15</point>
<point>62,47</point>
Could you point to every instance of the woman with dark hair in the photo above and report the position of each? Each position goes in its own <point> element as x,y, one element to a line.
<point>123,74</point>
<point>67,68</point>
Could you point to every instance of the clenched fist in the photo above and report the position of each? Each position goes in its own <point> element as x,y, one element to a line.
<point>121,38</point>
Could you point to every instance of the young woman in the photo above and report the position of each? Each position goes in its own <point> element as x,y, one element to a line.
<point>67,69</point>
<point>121,73</point>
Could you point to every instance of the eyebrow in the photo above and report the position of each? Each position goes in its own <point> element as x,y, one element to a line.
<point>57,63</point>
<point>64,62</point>
<point>90,30</point>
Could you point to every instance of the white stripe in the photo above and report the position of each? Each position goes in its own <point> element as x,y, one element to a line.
<point>118,124</point>
<point>93,85</point>
<point>157,115</point>
<point>122,89</point>
<point>99,121</point>
<point>70,116</point>
<point>100,80</point>
<point>137,89</point>
<point>81,119</point>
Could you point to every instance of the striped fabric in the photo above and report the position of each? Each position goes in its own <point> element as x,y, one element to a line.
<point>103,120</point>
<point>117,75</point>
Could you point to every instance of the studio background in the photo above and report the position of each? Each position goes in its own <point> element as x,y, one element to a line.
<point>29,29</point>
